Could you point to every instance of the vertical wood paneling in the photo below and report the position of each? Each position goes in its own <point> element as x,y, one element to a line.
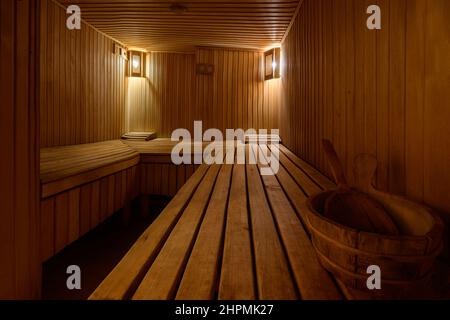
<point>165,99</point>
<point>379,92</point>
<point>71,214</point>
<point>173,95</point>
<point>436,104</point>
<point>47,228</point>
<point>74,215</point>
<point>85,209</point>
<point>61,221</point>
<point>19,164</point>
<point>82,98</point>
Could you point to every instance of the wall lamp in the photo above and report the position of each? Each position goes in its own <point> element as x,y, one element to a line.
<point>272,64</point>
<point>136,64</point>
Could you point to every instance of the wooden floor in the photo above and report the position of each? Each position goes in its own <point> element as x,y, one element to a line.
<point>229,233</point>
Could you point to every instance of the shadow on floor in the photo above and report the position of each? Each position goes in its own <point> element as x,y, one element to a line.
<point>96,253</point>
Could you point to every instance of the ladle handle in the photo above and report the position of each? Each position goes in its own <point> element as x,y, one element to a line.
<point>365,166</point>
<point>335,164</point>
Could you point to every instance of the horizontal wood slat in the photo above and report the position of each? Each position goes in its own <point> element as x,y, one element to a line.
<point>154,26</point>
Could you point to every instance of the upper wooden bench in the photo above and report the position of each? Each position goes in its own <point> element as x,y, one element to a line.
<point>229,233</point>
<point>66,167</point>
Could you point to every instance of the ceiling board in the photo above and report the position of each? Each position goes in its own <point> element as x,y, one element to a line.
<point>153,26</point>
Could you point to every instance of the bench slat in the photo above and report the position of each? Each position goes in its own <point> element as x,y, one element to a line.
<point>161,280</point>
<point>57,169</point>
<point>272,271</point>
<point>66,167</point>
<point>300,177</point>
<point>126,276</point>
<point>200,277</point>
<point>312,279</point>
<point>314,174</point>
<point>237,275</point>
<point>55,187</point>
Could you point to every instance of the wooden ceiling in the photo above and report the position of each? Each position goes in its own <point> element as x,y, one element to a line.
<point>155,26</point>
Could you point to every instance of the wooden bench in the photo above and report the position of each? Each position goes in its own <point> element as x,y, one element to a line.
<point>66,167</point>
<point>81,186</point>
<point>229,233</point>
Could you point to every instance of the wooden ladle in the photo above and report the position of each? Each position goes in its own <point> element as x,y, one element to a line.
<point>353,208</point>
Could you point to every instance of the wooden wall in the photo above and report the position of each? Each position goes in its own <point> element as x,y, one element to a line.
<point>19,163</point>
<point>82,94</point>
<point>165,99</point>
<point>236,96</point>
<point>85,96</point>
<point>384,92</point>
<point>173,95</point>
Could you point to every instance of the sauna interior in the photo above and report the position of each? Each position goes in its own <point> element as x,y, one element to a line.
<point>349,98</point>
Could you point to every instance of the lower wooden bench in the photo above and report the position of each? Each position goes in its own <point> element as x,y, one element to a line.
<point>229,233</point>
<point>82,185</point>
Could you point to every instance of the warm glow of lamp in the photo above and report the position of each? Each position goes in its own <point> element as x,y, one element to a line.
<point>272,64</point>
<point>136,63</point>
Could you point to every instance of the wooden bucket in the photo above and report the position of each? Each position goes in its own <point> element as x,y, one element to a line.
<point>405,261</point>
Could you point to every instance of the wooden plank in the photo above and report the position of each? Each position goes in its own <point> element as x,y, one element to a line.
<point>74,215</point>
<point>200,277</point>
<point>143,178</point>
<point>47,228</point>
<point>125,190</point>
<point>85,209</point>
<point>111,195</point>
<point>150,179</point>
<point>22,53</point>
<point>172,180</point>
<point>125,277</point>
<point>162,278</point>
<point>272,270</point>
<point>312,280</point>
<point>118,203</point>
<point>383,88</point>
<point>397,106</point>
<point>157,179</point>
<point>55,187</point>
<point>437,96</point>
<point>415,73</point>
<point>237,278</point>
<point>135,172</point>
<point>95,204</point>
<point>309,186</point>
<point>103,199</point>
<point>165,179</point>
<point>313,174</point>
<point>181,176</point>
<point>130,184</point>
<point>74,68</point>
<point>61,221</point>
